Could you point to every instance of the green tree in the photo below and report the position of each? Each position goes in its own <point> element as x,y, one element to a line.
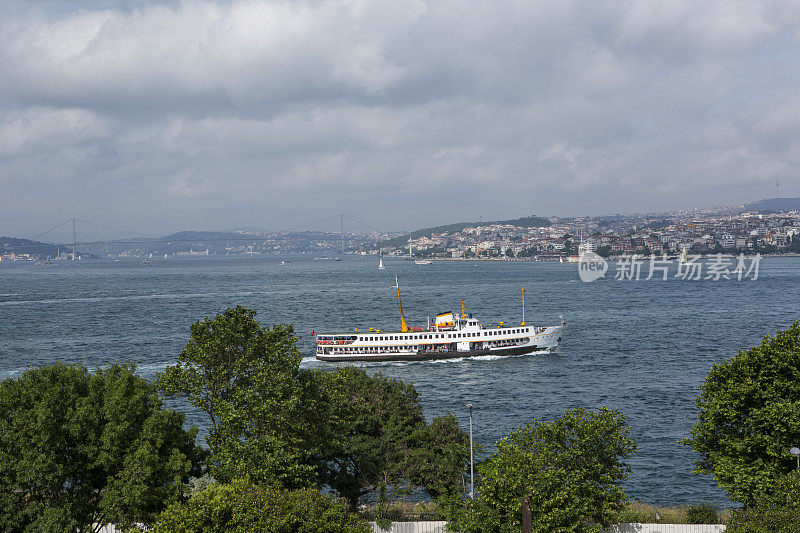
<point>509,252</point>
<point>273,423</point>
<point>571,467</point>
<point>776,512</point>
<point>794,244</point>
<point>439,457</point>
<point>371,424</point>
<point>80,448</point>
<point>749,417</point>
<point>570,248</point>
<point>376,438</point>
<point>242,507</point>
<point>247,380</point>
<point>603,251</point>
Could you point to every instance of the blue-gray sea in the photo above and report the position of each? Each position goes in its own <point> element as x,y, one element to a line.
<point>643,347</point>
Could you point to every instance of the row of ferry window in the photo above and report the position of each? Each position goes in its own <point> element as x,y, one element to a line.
<point>440,335</point>
<point>377,348</point>
<point>506,342</point>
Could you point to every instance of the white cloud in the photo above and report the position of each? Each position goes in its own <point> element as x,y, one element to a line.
<point>48,129</point>
<point>505,106</point>
<point>246,51</point>
<point>189,185</point>
<point>687,26</point>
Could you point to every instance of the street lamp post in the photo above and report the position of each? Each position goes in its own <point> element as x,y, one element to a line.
<point>471,461</point>
<point>796,452</point>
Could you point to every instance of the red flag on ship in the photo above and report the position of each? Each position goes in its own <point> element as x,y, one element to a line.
<point>312,332</point>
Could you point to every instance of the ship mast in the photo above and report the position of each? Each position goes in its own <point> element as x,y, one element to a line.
<point>403,324</point>
<point>523,306</point>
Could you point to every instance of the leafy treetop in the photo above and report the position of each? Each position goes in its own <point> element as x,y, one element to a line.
<point>571,467</point>
<point>274,423</point>
<point>247,379</point>
<point>242,507</point>
<point>80,448</point>
<point>749,417</point>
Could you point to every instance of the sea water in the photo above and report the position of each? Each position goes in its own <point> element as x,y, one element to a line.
<point>643,347</point>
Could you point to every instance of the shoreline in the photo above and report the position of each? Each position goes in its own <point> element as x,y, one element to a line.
<point>567,261</point>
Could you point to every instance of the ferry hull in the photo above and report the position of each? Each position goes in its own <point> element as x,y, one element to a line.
<point>431,356</point>
<point>463,341</point>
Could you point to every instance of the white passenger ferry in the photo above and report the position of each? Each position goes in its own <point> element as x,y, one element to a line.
<point>448,337</point>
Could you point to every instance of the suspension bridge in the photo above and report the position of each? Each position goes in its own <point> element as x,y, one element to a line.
<point>82,226</point>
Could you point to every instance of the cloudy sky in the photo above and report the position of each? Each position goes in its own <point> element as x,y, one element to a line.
<point>161,116</point>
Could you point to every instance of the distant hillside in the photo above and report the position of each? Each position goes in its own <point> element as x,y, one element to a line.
<point>192,236</point>
<point>27,246</point>
<point>525,222</point>
<point>774,204</point>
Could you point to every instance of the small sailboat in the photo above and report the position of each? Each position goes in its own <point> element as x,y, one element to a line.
<point>684,257</point>
<point>380,264</point>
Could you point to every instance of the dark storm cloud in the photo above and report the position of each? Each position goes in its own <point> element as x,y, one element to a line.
<point>405,112</point>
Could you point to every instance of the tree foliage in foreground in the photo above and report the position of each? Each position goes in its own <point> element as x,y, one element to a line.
<point>777,512</point>
<point>274,423</point>
<point>441,457</point>
<point>749,417</point>
<point>376,437</point>
<point>80,448</point>
<point>242,507</point>
<point>369,425</point>
<point>247,380</point>
<point>571,467</point>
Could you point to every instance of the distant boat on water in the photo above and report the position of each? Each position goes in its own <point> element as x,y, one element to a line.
<point>423,261</point>
<point>337,258</point>
<point>380,264</point>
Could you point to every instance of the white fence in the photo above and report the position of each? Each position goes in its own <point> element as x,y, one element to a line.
<point>440,527</point>
<point>666,528</point>
<point>111,528</point>
<point>412,527</point>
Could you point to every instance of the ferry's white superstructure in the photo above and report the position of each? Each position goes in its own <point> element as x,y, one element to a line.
<point>448,337</point>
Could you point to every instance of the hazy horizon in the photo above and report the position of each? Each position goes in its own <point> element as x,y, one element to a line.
<point>158,117</point>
